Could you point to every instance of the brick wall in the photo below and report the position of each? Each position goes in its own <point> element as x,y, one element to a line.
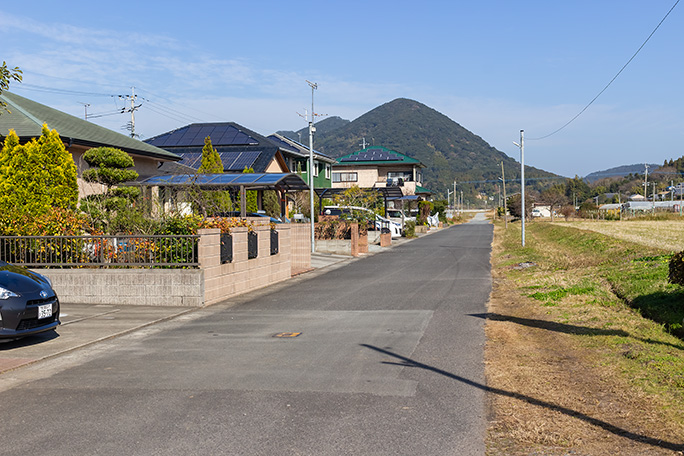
<point>211,283</point>
<point>242,274</point>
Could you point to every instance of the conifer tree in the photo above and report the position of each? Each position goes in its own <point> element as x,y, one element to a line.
<point>211,202</point>
<point>211,160</point>
<point>37,176</point>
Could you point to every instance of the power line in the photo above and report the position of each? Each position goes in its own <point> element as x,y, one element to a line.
<point>39,88</point>
<point>612,80</point>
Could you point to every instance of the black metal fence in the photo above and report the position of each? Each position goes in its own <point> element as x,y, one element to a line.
<point>274,242</point>
<point>252,245</point>
<point>101,251</point>
<point>226,248</point>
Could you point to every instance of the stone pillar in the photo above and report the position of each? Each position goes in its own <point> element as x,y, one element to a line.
<point>385,239</point>
<point>363,243</point>
<point>355,239</point>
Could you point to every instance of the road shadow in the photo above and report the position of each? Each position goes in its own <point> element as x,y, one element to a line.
<point>9,344</point>
<point>408,362</point>
<point>569,329</point>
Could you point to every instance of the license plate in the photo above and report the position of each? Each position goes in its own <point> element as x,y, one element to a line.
<point>44,311</point>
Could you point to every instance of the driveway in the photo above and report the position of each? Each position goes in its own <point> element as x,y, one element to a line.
<point>378,356</point>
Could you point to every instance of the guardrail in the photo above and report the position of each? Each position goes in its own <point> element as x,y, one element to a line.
<point>101,251</point>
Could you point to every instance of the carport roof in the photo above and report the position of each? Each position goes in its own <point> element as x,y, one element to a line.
<point>389,193</point>
<point>286,181</point>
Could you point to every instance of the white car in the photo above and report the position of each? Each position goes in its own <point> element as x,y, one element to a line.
<point>380,222</point>
<point>398,215</point>
<point>393,227</point>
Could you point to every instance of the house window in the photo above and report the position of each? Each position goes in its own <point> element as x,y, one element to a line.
<point>345,177</point>
<point>327,171</point>
<point>317,168</point>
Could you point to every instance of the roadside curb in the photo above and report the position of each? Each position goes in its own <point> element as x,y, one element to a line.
<point>101,339</point>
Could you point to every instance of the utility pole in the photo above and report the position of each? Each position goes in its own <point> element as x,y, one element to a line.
<point>363,143</point>
<point>522,181</point>
<point>646,181</point>
<point>654,189</point>
<point>312,129</point>
<point>85,107</point>
<point>503,181</point>
<point>620,205</point>
<point>132,97</point>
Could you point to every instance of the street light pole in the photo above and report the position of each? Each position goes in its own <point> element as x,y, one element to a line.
<point>312,129</point>
<point>522,180</point>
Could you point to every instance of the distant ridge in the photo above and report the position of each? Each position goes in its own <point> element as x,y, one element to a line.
<point>324,126</point>
<point>620,171</point>
<point>449,151</point>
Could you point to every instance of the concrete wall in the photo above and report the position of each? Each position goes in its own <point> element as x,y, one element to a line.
<point>145,287</point>
<point>211,283</point>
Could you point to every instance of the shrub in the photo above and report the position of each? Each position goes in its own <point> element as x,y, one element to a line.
<point>37,176</point>
<point>409,229</point>
<point>676,269</point>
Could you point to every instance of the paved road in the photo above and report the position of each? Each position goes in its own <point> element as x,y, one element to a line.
<point>388,362</point>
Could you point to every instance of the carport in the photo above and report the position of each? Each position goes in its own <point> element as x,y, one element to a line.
<point>234,182</point>
<point>388,194</point>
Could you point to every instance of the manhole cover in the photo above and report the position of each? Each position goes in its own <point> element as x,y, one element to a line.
<point>287,334</point>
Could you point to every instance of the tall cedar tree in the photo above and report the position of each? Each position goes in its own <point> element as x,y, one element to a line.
<point>37,176</point>
<point>212,202</point>
<point>251,195</point>
<point>211,160</point>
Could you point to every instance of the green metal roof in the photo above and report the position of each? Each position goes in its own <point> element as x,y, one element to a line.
<point>420,189</point>
<point>27,117</point>
<point>376,155</point>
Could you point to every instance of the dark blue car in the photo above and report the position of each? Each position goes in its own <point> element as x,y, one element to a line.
<point>28,304</point>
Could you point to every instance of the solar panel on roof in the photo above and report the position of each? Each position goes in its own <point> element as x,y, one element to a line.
<point>227,137</point>
<point>238,161</point>
<point>191,159</point>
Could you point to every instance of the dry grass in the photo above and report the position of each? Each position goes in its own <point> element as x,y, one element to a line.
<point>565,373</point>
<point>661,234</point>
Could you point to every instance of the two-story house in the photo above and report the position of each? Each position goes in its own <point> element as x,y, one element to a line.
<point>298,161</point>
<point>376,167</point>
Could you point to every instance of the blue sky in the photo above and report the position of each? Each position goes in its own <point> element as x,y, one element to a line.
<point>495,67</point>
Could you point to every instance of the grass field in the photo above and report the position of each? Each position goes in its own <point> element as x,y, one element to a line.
<point>583,341</point>
<point>666,235</point>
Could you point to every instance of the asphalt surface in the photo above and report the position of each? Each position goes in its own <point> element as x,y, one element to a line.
<point>375,356</point>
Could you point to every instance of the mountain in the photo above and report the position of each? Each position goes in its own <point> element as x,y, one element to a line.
<point>449,151</point>
<point>324,126</point>
<point>620,171</point>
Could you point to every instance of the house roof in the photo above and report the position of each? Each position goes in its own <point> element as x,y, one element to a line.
<point>298,148</point>
<point>422,190</point>
<point>26,118</point>
<point>377,155</point>
<point>238,147</point>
